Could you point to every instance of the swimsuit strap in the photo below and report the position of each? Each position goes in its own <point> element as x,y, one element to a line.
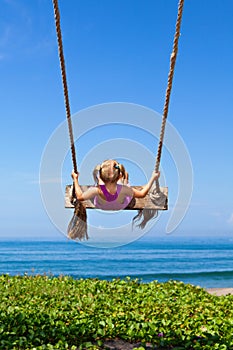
<point>110,197</point>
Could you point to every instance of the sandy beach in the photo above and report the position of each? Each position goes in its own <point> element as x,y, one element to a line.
<point>220,291</point>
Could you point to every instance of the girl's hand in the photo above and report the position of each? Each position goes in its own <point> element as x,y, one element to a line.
<point>74,175</point>
<point>156,175</point>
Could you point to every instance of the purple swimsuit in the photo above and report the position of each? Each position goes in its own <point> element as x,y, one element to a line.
<point>111,202</point>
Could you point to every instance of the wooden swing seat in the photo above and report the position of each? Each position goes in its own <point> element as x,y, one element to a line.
<point>140,203</point>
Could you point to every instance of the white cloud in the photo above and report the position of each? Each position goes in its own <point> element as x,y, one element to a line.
<point>33,179</point>
<point>48,180</point>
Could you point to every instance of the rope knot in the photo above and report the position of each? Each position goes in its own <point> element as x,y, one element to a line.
<point>157,196</point>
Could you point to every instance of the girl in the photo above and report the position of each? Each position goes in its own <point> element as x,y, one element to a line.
<point>112,192</point>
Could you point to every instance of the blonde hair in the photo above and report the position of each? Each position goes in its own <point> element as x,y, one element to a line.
<point>96,173</point>
<point>108,171</point>
<point>123,172</point>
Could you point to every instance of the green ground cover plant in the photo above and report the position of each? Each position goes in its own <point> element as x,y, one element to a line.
<point>45,312</point>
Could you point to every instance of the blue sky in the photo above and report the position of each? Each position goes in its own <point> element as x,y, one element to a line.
<point>116,51</point>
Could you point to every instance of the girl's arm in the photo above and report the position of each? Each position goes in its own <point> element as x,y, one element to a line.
<point>82,196</point>
<point>145,189</point>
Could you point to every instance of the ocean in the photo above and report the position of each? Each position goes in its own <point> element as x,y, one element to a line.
<point>206,262</point>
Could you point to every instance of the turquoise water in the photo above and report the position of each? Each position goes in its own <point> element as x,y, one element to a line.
<point>202,261</point>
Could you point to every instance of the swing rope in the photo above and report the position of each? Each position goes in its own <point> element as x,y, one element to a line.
<point>78,226</point>
<point>169,87</point>
<point>168,90</point>
<point>64,81</point>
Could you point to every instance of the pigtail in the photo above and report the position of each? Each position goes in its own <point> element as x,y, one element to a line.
<point>122,170</point>
<point>123,174</point>
<point>96,173</point>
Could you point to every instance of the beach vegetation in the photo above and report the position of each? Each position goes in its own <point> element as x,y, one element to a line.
<point>45,312</point>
